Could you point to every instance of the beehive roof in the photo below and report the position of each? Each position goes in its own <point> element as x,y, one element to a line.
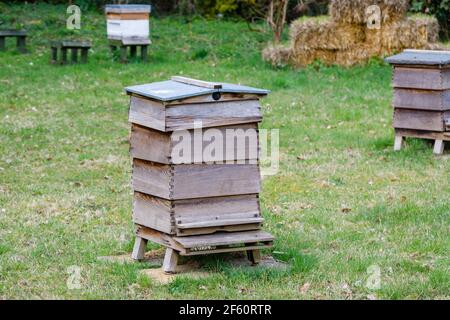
<point>421,57</point>
<point>127,8</point>
<point>174,90</point>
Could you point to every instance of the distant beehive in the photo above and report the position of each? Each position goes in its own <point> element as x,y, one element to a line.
<point>202,203</point>
<point>421,102</point>
<point>127,21</point>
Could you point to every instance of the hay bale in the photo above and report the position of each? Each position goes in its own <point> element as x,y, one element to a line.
<point>302,57</point>
<point>354,11</point>
<point>277,56</point>
<point>415,32</point>
<point>322,33</point>
<point>357,55</point>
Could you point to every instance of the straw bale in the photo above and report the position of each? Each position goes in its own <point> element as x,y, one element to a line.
<point>354,11</point>
<point>320,33</point>
<point>277,55</point>
<point>303,57</point>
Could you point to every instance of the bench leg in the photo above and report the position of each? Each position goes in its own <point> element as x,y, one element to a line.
<point>139,249</point>
<point>133,52</point>
<point>398,143</point>
<point>112,49</point>
<point>170,261</point>
<point>438,147</point>
<point>21,44</point>
<point>254,256</point>
<point>144,53</point>
<point>2,44</point>
<point>54,55</point>
<point>123,54</point>
<point>84,55</point>
<point>63,55</point>
<point>74,55</point>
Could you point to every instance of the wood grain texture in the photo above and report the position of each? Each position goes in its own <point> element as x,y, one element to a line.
<point>181,117</point>
<point>214,229</point>
<point>219,239</point>
<point>419,78</point>
<point>153,212</point>
<point>419,120</point>
<point>197,216</point>
<point>208,98</point>
<point>239,142</point>
<point>152,178</point>
<point>147,113</point>
<point>149,144</point>
<point>208,244</point>
<point>204,180</point>
<point>422,134</point>
<point>217,208</point>
<point>421,99</point>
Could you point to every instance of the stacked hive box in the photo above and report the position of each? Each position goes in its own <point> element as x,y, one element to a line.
<point>127,21</point>
<point>128,26</point>
<point>196,205</point>
<point>421,103</point>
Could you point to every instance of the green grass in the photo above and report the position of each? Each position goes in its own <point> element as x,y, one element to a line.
<point>65,171</point>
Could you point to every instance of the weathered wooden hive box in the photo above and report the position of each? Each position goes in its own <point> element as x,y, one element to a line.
<point>187,196</point>
<point>127,21</point>
<point>421,82</point>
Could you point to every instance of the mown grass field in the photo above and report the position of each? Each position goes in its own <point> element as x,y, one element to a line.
<point>342,202</point>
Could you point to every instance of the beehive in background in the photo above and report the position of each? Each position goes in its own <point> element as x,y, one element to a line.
<point>421,102</point>
<point>128,21</point>
<point>189,200</point>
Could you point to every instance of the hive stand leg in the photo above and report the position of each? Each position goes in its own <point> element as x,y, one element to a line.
<point>123,54</point>
<point>170,261</point>
<point>133,52</point>
<point>144,53</point>
<point>21,44</point>
<point>74,55</point>
<point>2,44</point>
<point>112,49</point>
<point>398,144</point>
<point>84,55</point>
<point>54,55</point>
<point>438,147</point>
<point>139,248</point>
<point>254,256</point>
<point>63,55</point>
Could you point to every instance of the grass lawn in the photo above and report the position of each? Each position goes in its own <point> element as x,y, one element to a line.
<point>342,204</point>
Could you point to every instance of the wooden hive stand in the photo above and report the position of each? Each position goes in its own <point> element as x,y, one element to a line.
<point>196,206</point>
<point>82,46</point>
<point>421,82</point>
<point>20,35</point>
<point>132,44</point>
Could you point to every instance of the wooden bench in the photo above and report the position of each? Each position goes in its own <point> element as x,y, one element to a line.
<point>74,47</point>
<point>20,35</point>
<point>131,43</point>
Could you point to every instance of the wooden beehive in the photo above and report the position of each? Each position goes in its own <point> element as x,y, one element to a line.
<point>127,21</point>
<point>197,204</point>
<point>421,82</point>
